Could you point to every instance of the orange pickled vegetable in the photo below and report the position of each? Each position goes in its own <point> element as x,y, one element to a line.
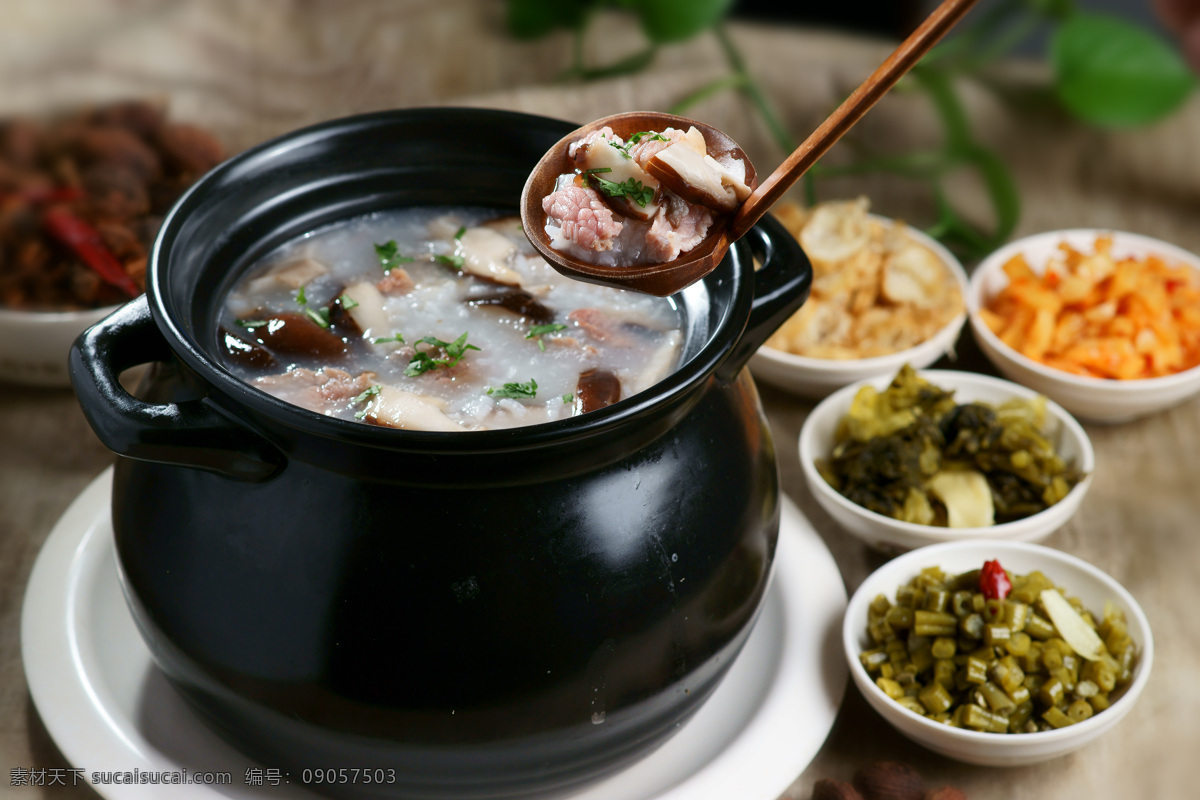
<point>1098,315</point>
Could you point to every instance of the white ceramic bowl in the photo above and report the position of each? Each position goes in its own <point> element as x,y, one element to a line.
<point>1092,399</point>
<point>817,377</point>
<point>34,344</point>
<point>1077,577</point>
<point>893,535</point>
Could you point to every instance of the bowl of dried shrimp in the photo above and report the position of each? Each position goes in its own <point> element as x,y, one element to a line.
<point>884,294</point>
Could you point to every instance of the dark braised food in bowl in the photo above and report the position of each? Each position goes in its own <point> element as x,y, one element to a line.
<point>82,196</point>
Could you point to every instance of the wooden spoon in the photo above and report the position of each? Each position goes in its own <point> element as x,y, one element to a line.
<point>668,277</point>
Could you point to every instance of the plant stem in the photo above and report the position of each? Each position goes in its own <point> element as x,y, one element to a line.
<point>748,85</point>
<point>626,66</point>
<point>734,81</point>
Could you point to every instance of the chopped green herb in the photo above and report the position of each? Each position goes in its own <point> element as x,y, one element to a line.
<point>623,149</point>
<point>366,395</point>
<point>348,302</point>
<point>635,138</point>
<point>653,136</point>
<point>568,398</point>
<point>459,233</point>
<point>631,188</point>
<point>455,261</point>
<point>517,391</point>
<point>422,362</point>
<point>540,330</point>
<point>389,256</point>
<point>393,338</point>
<point>251,324</point>
<point>320,316</point>
<point>419,364</point>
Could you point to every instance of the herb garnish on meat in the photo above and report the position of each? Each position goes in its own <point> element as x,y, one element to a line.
<point>538,331</point>
<point>363,397</point>
<point>422,362</point>
<point>631,188</point>
<point>390,257</point>
<point>516,391</point>
<point>318,315</point>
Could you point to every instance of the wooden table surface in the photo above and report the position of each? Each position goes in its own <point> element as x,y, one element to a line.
<point>253,70</point>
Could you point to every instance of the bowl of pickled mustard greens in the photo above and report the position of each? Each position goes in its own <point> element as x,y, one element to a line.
<point>997,653</point>
<point>942,455</point>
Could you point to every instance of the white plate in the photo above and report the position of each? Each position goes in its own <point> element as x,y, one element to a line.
<point>110,709</point>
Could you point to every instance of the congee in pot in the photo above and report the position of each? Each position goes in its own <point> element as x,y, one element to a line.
<point>439,320</point>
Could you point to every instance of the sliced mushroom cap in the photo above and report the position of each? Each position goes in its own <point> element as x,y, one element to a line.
<point>396,408</point>
<point>597,388</point>
<point>290,334</point>
<point>683,171</point>
<point>363,303</point>
<point>489,254</point>
<point>444,226</point>
<point>515,300</point>
<point>249,354</point>
<point>291,274</point>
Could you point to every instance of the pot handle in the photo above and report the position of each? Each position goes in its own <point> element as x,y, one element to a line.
<point>781,286</point>
<point>191,433</point>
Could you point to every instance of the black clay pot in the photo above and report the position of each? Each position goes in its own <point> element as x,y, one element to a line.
<point>497,614</point>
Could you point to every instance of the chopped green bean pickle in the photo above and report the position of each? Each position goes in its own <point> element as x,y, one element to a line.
<point>954,649</point>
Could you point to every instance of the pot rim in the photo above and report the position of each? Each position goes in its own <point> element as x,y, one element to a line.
<point>237,394</point>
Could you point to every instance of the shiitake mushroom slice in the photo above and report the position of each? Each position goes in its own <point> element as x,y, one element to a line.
<point>286,333</point>
<point>597,388</point>
<point>249,354</point>
<point>516,300</point>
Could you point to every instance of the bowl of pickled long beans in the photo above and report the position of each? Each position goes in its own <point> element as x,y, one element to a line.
<point>997,653</point>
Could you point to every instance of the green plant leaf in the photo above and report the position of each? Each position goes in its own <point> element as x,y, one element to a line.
<point>676,20</point>
<point>1054,9</point>
<point>1110,72</point>
<point>529,19</point>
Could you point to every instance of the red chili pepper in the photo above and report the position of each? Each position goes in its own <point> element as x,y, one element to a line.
<point>993,581</point>
<point>85,241</point>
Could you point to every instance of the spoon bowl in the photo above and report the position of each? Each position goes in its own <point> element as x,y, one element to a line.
<point>666,278</point>
<point>660,279</point>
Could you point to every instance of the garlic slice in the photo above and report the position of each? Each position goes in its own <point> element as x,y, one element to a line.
<point>1073,629</point>
<point>967,497</point>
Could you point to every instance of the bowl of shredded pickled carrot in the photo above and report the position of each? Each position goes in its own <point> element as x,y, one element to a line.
<point>1105,323</point>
